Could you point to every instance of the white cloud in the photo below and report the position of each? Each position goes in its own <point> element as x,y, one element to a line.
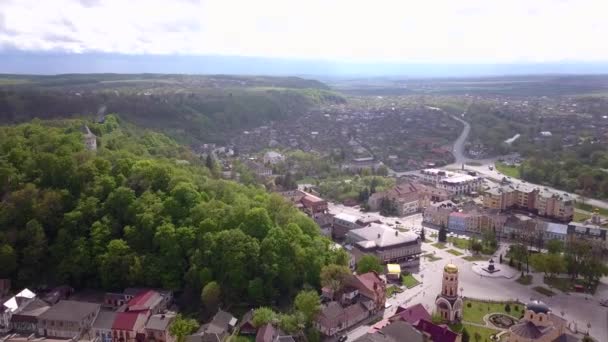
<point>389,30</point>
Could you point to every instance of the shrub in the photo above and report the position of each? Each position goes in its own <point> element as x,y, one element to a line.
<point>469,305</point>
<point>507,308</point>
<point>515,307</point>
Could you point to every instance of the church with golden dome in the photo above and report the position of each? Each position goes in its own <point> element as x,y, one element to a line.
<point>449,304</point>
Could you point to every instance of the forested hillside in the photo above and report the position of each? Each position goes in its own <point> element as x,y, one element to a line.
<point>143,211</point>
<point>189,108</point>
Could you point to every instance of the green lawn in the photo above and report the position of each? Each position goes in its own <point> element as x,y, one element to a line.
<point>393,289</point>
<point>475,258</point>
<point>509,171</point>
<point>458,242</point>
<point>478,309</point>
<point>525,280</point>
<point>454,252</point>
<point>439,245</point>
<point>543,290</point>
<point>409,281</point>
<point>431,257</point>
<point>565,284</point>
<point>590,208</point>
<point>580,217</point>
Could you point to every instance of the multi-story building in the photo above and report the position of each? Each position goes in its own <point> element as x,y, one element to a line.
<point>438,213</point>
<point>26,320</point>
<point>389,245</point>
<point>454,183</point>
<point>67,319</point>
<point>590,232</point>
<point>409,197</point>
<point>343,223</point>
<point>522,196</point>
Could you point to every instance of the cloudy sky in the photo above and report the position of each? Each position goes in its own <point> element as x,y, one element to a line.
<point>443,31</point>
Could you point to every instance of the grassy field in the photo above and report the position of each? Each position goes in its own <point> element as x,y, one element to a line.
<point>431,257</point>
<point>409,281</point>
<point>392,290</point>
<point>439,245</point>
<point>525,280</point>
<point>478,309</point>
<point>564,284</point>
<point>580,217</point>
<point>543,290</point>
<point>509,171</point>
<point>590,208</point>
<point>475,258</point>
<point>458,242</point>
<point>454,252</point>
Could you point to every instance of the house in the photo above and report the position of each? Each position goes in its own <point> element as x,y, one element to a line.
<point>220,327</point>
<point>246,326</point>
<point>258,169</point>
<point>411,314</point>
<point>157,328</point>
<point>343,223</point>
<point>437,333</point>
<point>272,158</point>
<point>26,320</point>
<point>362,297</point>
<point>389,245</point>
<point>12,306</point>
<point>102,326</point>
<point>150,300</point>
<point>269,333</point>
<point>129,326</point>
<point>67,319</point>
<point>397,331</point>
<point>313,205</point>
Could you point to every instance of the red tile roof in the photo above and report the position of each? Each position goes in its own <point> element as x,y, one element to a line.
<point>129,321</point>
<point>412,314</point>
<point>144,300</point>
<point>438,333</point>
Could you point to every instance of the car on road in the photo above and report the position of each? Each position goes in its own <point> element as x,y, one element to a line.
<point>342,338</point>
<point>604,302</point>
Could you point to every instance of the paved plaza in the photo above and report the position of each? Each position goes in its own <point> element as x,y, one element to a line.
<point>578,308</point>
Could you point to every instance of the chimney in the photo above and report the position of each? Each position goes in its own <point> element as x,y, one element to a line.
<point>396,233</point>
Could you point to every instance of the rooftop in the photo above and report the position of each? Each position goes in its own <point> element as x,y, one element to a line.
<point>381,236</point>
<point>69,310</point>
<point>346,217</point>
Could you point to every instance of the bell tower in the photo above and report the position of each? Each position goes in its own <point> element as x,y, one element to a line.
<point>449,304</point>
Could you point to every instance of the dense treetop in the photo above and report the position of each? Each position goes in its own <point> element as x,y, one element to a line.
<point>143,211</point>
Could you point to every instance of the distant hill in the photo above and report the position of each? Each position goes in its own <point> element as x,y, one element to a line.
<point>191,108</point>
<point>61,62</point>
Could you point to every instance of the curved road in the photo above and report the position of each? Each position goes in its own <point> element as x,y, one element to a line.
<point>483,167</point>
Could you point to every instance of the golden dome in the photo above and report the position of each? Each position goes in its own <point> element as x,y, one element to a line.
<point>450,268</point>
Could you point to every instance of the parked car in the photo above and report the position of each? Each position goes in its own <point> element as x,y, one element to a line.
<point>342,338</point>
<point>604,302</point>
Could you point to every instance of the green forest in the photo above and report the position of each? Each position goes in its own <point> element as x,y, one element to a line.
<point>190,109</point>
<point>144,211</point>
